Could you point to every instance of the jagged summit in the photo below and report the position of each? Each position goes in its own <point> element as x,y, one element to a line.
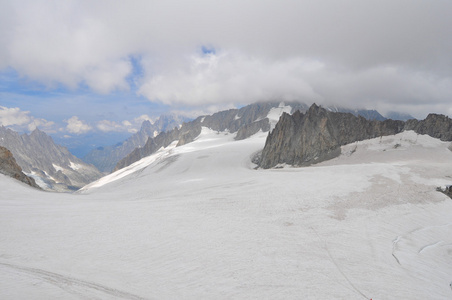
<point>244,122</point>
<point>303,139</point>
<point>105,158</point>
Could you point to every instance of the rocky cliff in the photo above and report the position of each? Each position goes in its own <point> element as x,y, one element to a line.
<point>9,167</point>
<point>435,125</point>
<point>304,139</point>
<point>106,158</point>
<point>52,166</point>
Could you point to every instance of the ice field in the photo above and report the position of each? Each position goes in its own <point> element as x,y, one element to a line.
<point>199,222</point>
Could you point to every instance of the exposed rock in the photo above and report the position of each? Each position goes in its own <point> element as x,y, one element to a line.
<point>9,167</point>
<point>435,125</point>
<point>246,121</point>
<point>105,158</point>
<point>303,139</point>
<point>151,146</point>
<point>249,129</point>
<point>52,166</point>
<point>447,190</point>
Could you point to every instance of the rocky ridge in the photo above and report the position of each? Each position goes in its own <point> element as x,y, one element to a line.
<point>245,122</point>
<point>9,167</point>
<point>304,139</point>
<point>105,158</point>
<point>248,120</point>
<point>52,166</point>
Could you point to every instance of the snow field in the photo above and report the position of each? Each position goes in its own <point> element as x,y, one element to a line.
<point>198,222</point>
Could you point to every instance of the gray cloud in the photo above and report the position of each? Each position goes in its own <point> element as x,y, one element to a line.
<point>379,54</point>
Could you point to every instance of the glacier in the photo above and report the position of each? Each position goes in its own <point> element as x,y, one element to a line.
<point>200,222</point>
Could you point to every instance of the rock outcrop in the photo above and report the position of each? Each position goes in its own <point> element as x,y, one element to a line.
<point>435,125</point>
<point>9,167</point>
<point>52,166</point>
<point>252,128</point>
<point>304,139</point>
<point>447,190</point>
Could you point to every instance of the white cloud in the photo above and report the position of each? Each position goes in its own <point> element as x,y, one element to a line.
<point>126,123</point>
<point>231,77</point>
<point>42,124</point>
<point>108,126</point>
<point>13,116</point>
<point>130,126</point>
<point>264,49</point>
<point>227,78</point>
<point>21,120</point>
<point>76,126</point>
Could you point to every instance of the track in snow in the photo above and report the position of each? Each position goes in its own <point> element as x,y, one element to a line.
<point>72,285</point>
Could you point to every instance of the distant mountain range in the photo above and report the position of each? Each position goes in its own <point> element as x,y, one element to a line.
<point>55,168</point>
<point>52,166</point>
<point>105,158</point>
<point>245,122</point>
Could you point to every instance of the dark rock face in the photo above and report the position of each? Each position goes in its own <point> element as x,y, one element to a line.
<point>249,129</point>
<point>106,158</point>
<point>437,126</point>
<point>446,191</point>
<point>9,167</point>
<point>304,139</point>
<point>54,165</point>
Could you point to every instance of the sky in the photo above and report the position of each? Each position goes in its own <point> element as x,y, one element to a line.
<point>78,68</point>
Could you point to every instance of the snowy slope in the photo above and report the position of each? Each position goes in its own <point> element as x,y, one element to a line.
<point>198,222</point>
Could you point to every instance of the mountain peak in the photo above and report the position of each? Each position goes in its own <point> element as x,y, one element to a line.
<point>145,124</point>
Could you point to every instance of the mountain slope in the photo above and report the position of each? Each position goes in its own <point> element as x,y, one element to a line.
<point>51,165</point>
<point>9,167</point>
<point>248,120</point>
<point>105,158</point>
<point>245,121</point>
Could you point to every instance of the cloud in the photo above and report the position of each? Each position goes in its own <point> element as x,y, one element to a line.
<point>125,126</point>
<point>13,116</point>
<point>235,78</point>
<point>204,52</point>
<point>231,77</point>
<point>107,126</point>
<point>76,126</point>
<point>42,124</point>
<point>21,120</point>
